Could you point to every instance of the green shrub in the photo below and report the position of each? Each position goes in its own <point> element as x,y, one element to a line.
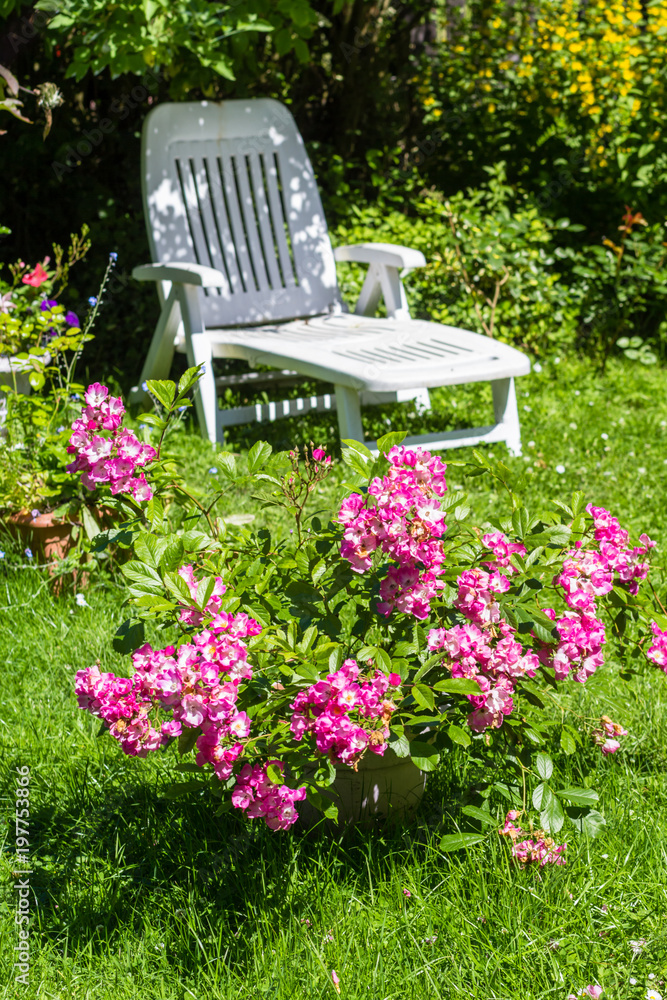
<point>491,266</point>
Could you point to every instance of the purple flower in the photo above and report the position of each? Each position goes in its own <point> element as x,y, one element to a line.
<point>48,304</point>
<point>34,514</point>
<point>72,319</point>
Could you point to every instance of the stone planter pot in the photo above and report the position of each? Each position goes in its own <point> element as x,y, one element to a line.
<point>383,788</point>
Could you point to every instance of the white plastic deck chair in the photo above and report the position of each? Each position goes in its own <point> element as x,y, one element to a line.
<point>245,269</point>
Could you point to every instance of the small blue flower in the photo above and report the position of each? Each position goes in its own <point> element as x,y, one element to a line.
<point>182,409</point>
<point>75,395</point>
<point>144,386</point>
<point>2,555</point>
<point>28,553</point>
<point>142,427</point>
<point>113,256</point>
<point>92,301</point>
<point>60,429</point>
<point>213,471</point>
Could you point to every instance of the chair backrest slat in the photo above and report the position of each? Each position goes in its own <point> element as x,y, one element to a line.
<point>227,175</point>
<point>262,210</point>
<point>230,185</point>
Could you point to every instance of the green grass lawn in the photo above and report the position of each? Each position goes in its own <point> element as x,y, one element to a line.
<point>135,896</point>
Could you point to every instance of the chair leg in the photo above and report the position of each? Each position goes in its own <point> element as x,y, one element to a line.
<point>349,414</point>
<point>198,348</point>
<point>507,413</point>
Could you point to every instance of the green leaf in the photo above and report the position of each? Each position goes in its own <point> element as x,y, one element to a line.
<point>458,685</point>
<point>424,755</point>
<point>129,636</point>
<point>480,814</point>
<point>187,740</point>
<point>357,456</point>
<point>459,735</point>
<point>382,659</point>
<point>552,816</point>
<point>542,796</point>
<point>457,841</point>
<point>163,391</point>
<point>205,590</point>
<point>259,455</point>
<point>578,796</point>
<point>400,745</point>
<point>188,379</point>
<point>336,659</point>
<point>195,541</point>
<point>322,803</point>
<point>275,775</point>
<point>227,465</point>
<point>452,500</point>
<point>592,823</point>
<point>390,440</point>
<point>90,525</point>
<point>567,742</point>
<point>423,696</point>
<point>544,766</point>
<point>153,420</point>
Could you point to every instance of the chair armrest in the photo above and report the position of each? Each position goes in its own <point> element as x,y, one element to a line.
<point>183,274</point>
<point>386,254</point>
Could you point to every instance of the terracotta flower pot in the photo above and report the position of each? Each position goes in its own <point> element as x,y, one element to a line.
<point>387,787</point>
<point>48,538</point>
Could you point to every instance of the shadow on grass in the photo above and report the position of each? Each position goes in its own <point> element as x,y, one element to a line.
<point>106,865</point>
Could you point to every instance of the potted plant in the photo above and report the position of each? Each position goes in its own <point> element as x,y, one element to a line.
<point>395,628</point>
<point>30,317</point>
<point>40,345</point>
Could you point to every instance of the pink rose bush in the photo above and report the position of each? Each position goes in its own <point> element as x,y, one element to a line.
<point>400,517</point>
<point>538,849</point>
<point>112,459</point>
<point>257,795</point>
<point>657,651</point>
<point>391,629</point>
<point>607,737</point>
<point>338,712</point>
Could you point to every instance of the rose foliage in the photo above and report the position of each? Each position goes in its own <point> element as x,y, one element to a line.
<point>395,625</point>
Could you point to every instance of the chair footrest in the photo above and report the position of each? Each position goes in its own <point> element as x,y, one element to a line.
<point>255,379</point>
<point>467,437</point>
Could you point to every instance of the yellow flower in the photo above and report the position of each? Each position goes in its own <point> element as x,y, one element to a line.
<point>576,47</point>
<point>492,108</point>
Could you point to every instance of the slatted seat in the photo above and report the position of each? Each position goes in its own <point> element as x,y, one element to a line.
<point>245,270</point>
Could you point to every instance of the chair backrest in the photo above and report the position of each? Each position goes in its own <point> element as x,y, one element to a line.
<point>230,185</point>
